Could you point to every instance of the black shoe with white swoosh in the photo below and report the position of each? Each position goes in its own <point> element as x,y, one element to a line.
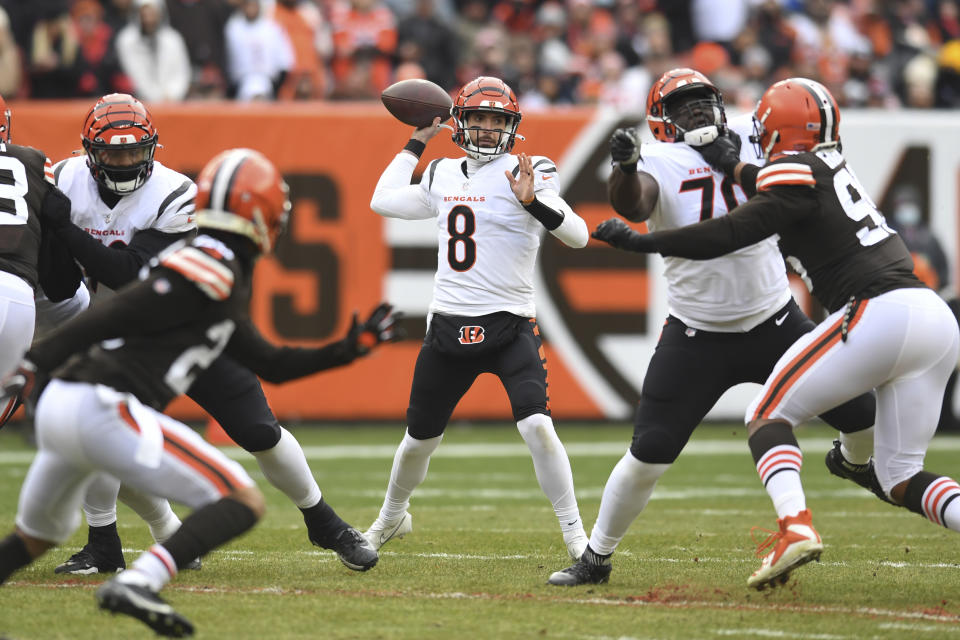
<point>146,606</point>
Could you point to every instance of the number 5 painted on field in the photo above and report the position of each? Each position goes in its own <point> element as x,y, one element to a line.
<point>13,188</point>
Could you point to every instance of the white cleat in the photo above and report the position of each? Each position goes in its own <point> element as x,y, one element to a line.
<point>380,532</point>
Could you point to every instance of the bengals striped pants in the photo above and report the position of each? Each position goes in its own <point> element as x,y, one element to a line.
<point>86,429</point>
<point>903,344</point>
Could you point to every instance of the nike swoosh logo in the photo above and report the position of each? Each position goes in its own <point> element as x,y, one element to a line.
<point>547,177</point>
<point>779,321</point>
<point>386,535</point>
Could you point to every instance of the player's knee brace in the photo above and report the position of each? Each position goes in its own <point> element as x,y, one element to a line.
<point>655,445</point>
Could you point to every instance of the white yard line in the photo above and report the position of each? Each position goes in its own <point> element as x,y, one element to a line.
<point>519,450</point>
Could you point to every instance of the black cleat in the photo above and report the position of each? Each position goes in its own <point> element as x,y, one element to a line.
<point>92,559</point>
<point>146,606</point>
<point>194,565</point>
<point>863,474</point>
<point>354,551</point>
<point>589,569</point>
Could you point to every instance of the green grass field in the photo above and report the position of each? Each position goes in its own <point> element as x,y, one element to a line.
<point>485,539</point>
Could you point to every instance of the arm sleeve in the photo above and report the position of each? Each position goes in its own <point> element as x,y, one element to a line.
<point>280,364</point>
<point>395,197</point>
<point>573,230</point>
<point>751,222</point>
<point>116,266</point>
<point>139,306</point>
<point>748,179</point>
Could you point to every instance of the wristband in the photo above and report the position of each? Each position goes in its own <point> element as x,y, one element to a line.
<point>415,147</point>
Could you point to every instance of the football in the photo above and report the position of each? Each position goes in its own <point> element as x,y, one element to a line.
<point>417,102</point>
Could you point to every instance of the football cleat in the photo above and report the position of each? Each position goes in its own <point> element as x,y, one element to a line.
<point>194,565</point>
<point>92,559</point>
<point>863,474</point>
<point>381,532</point>
<point>140,602</point>
<point>355,551</point>
<point>794,544</point>
<point>589,569</point>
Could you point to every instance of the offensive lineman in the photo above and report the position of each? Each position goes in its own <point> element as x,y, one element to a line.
<point>126,207</point>
<point>491,208</point>
<point>730,318</point>
<point>130,355</point>
<point>886,330</point>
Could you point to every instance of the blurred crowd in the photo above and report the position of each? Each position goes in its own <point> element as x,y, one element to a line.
<point>880,53</point>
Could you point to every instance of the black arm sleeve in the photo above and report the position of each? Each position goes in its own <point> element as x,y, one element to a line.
<point>547,216</point>
<point>137,309</point>
<point>280,364</point>
<point>748,179</point>
<point>59,275</point>
<point>116,266</point>
<point>751,222</point>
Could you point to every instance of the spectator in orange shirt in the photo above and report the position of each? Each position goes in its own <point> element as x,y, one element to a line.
<point>364,40</point>
<point>312,45</point>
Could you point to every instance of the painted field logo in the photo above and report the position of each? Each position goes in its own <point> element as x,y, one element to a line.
<point>471,335</point>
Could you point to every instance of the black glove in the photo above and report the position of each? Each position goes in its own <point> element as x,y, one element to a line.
<point>22,387</point>
<point>723,153</point>
<point>380,327</point>
<point>55,209</point>
<point>625,148</point>
<point>617,233</point>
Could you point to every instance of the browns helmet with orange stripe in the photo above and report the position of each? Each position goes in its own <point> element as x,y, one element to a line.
<point>5,121</point>
<point>796,114</point>
<point>241,191</point>
<point>684,106</point>
<point>119,139</point>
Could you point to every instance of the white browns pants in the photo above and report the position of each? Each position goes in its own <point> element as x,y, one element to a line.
<point>85,429</point>
<point>17,318</point>
<point>903,344</point>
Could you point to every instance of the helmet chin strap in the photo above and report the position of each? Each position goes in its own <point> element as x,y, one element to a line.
<point>702,136</point>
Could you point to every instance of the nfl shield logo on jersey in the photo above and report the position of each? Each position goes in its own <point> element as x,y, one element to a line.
<point>471,335</point>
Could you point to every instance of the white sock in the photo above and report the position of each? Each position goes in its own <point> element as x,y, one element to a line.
<point>155,511</point>
<point>786,491</point>
<point>857,447</point>
<point>625,496</point>
<point>154,569</point>
<point>285,467</point>
<point>100,500</point>
<point>552,466</point>
<point>409,469</point>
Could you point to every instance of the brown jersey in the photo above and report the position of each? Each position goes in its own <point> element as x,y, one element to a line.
<point>25,177</point>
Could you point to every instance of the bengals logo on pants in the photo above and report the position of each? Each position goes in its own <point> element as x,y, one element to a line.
<point>471,335</point>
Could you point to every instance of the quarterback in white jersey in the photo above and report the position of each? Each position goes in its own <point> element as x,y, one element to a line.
<point>491,208</point>
<point>730,318</point>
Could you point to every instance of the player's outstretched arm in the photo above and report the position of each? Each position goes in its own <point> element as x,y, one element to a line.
<point>278,364</point>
